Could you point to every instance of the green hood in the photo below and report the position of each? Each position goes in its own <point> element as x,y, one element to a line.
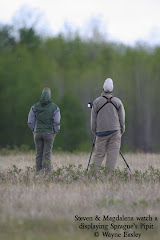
<point>45,98</point>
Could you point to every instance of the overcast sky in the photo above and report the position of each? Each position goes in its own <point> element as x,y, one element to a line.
<point>127,21</point>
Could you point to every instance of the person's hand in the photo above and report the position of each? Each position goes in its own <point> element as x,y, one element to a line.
<point>54,134</point>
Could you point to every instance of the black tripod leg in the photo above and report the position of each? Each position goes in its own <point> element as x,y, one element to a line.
<point>125,160</point>
<point>94,140</point>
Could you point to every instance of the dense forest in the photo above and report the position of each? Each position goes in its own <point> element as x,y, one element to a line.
<point>75,70</point>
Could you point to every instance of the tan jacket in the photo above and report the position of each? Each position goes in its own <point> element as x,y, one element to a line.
<point>108,118</point>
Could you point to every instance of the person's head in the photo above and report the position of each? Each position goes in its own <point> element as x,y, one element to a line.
<point>46,89</point>
<point>108,85</point>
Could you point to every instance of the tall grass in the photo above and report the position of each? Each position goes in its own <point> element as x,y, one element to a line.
<point>39,206</point>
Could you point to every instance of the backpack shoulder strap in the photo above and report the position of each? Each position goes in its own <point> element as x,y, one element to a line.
<point>102,107</point>
<point>108,101</point>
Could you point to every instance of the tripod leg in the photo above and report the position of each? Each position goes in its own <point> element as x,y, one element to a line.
<point>94,140</point>
<point>125,160</point>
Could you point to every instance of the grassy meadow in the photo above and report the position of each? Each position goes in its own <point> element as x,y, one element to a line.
<point>38,206</point>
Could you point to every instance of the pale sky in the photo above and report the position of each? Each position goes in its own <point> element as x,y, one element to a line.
<point>126,21</point>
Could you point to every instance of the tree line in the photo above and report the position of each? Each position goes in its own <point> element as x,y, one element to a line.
<point>75,70</point>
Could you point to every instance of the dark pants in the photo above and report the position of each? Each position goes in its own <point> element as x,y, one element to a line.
<point>43,143</point>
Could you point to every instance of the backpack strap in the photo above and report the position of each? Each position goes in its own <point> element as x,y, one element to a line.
<point>108,101</point>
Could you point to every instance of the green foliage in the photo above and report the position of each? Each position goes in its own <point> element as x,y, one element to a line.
<point>7,41</point>
<point>75,70</point>
<point>29,38</point>
<point>73,131</point>
<point>41,229</point>
<point>71,173</point>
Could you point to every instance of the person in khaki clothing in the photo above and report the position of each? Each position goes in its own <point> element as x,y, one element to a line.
<point>108,124</point>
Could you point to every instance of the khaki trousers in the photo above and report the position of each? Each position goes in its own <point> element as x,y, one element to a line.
<point>110,144</point>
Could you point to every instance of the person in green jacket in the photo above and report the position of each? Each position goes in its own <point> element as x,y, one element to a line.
<point>44,121</point>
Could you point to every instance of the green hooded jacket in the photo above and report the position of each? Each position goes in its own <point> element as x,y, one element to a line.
<point>44,113</point>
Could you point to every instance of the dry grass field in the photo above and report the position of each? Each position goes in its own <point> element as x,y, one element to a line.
<point>38,206</point>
